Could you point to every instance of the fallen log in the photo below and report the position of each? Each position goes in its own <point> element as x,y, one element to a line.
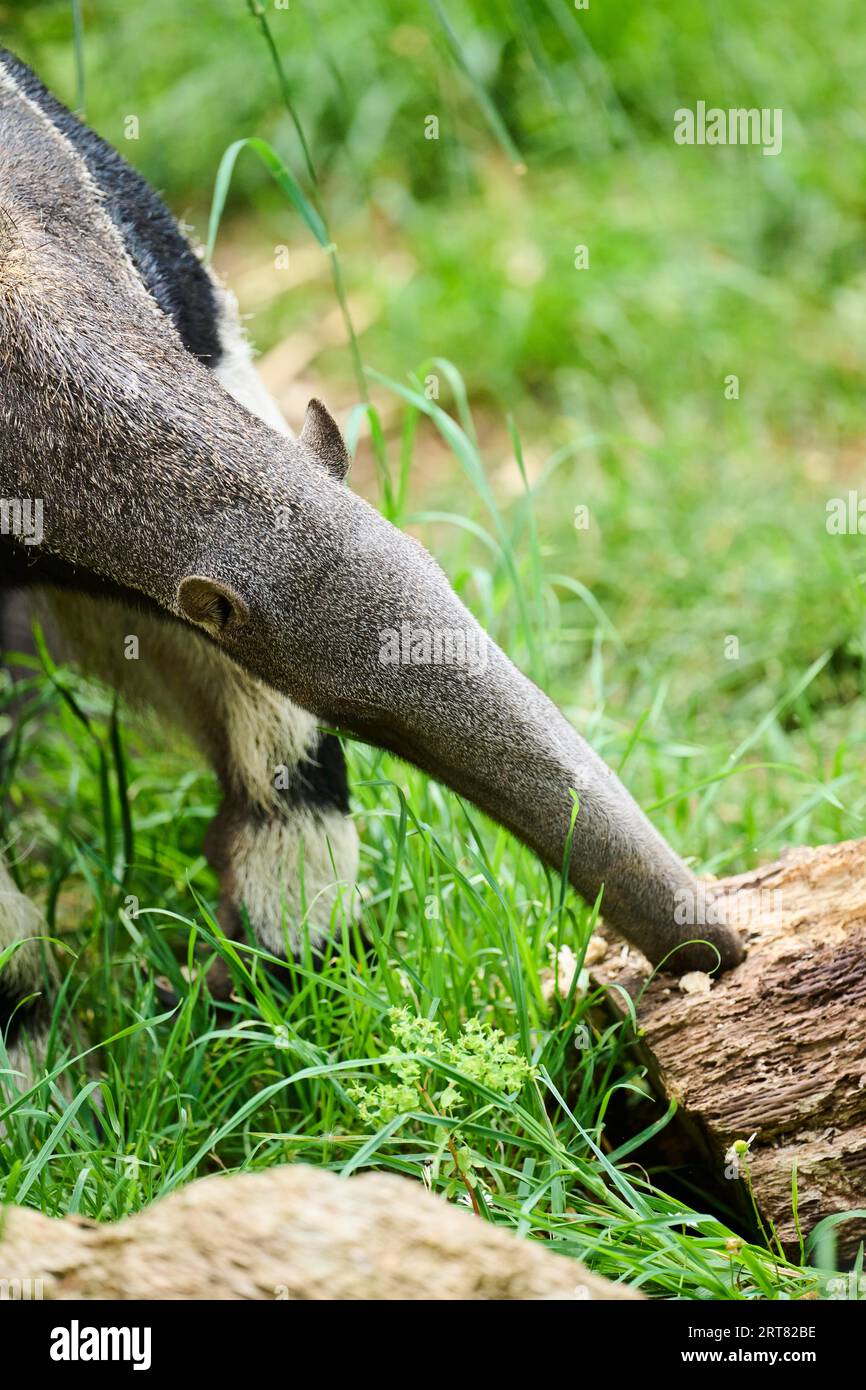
<point>293,1232</point>
<point>773,1053</point>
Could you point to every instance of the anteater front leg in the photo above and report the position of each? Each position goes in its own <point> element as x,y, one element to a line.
<point>282,842</point>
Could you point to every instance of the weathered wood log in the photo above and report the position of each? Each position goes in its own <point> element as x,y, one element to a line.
<point>776,1049</point>
<point>293,1232</point>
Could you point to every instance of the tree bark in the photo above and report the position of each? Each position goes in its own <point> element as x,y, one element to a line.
<point>294,1232</point>
<point>775,1049</point>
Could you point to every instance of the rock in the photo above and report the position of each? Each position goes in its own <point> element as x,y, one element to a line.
<point>293,1232</point>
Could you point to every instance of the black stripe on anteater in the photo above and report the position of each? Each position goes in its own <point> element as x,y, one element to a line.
<point>320,782</point>
<point>163,258</point>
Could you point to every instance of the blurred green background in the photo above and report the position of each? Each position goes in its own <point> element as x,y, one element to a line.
<point>706,514</point>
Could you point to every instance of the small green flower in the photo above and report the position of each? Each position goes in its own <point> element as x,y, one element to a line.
<point>481,1053</point>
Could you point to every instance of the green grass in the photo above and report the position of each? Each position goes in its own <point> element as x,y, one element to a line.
<point>706,521</point>
<point>462,921</point>
<point>461,925</point>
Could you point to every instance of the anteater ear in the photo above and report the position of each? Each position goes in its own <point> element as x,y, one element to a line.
<point>322,437</point>
<point>211,604</point>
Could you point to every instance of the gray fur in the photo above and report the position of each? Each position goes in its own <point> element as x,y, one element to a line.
<point>152,476</point>
<point>322,438</point>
